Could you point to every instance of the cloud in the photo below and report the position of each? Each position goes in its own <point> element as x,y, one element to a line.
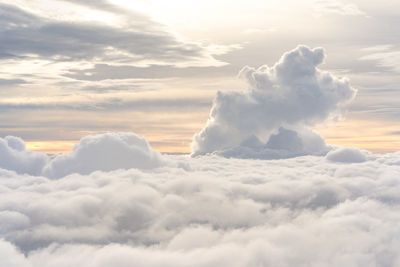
<point>207,211</point>
<point>105,152</point>
<point>15,157</point>
<point>284,144</point>
<point>384,56</point>
<point>347,155</point>
<point>9,82</point>
<point>102,152</point>
<point>104,72</point>
<point>30,36</point>
<point>11,257</point>
<point>110,103</point>
<point>282,102</point>
<point>322,7</point>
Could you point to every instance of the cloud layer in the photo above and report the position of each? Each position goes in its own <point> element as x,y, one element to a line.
<point>203,211</point>
<point>282,102</point>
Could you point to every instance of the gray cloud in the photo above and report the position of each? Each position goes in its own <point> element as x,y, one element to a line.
<point>25,33</point>
<point>115,103</point>
<point>9,82</point>
<point>104,71</point>
<point>282,102</point>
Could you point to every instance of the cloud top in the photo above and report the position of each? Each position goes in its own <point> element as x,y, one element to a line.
<point>347,155</point>
<point>105,152</point>
<point>217,212</point>
<point>294,95</point>
<point>102,152</point>
<point>15,157</point>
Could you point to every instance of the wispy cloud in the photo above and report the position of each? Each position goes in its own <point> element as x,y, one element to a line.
<point>323,7</point>
<point>386,56</point>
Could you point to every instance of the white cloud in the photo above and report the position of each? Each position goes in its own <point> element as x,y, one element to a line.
<point>214,212</point>
<point>14,156</point>
<point>387,57</point>
<point>282,102</point>
<point>11,257</point>
<point>105,152</point>
<point>347,155</point>
<point>322,7</point>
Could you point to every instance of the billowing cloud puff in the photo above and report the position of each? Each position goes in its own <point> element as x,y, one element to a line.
<point>303,211</point>
<point>14,156</point>
<point>280,104</point>
<point>347,155</point>
<point>105,152</point>
<point>284,144</point>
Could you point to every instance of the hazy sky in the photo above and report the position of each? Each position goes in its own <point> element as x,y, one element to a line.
<point>72,68</point>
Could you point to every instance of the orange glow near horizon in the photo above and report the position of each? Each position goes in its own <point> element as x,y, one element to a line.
<point>374,136</point>
<point>63,147</point>
<point>51,147</point>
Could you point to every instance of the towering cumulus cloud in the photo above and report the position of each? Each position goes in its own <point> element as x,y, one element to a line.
<point>272,118</point>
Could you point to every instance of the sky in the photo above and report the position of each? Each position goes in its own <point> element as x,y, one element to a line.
<point>75,68</point>
<point>280,119</point>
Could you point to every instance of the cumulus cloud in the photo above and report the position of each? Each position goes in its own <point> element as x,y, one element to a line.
<point>15,157</point>
<point>301,211</point>
<point>347,155</point>
<point>105,152</point>
<point>276,112</point>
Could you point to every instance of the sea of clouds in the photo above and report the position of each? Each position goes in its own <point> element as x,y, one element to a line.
<point>274,195</point>
<point>341,209</point>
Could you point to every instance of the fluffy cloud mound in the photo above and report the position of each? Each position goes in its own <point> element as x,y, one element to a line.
<point>280,105</point>
<point>105,152</point>
<point>15,157</point>
<point>303,211</point>
<point>284,144</point>
<point>347,155</point>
